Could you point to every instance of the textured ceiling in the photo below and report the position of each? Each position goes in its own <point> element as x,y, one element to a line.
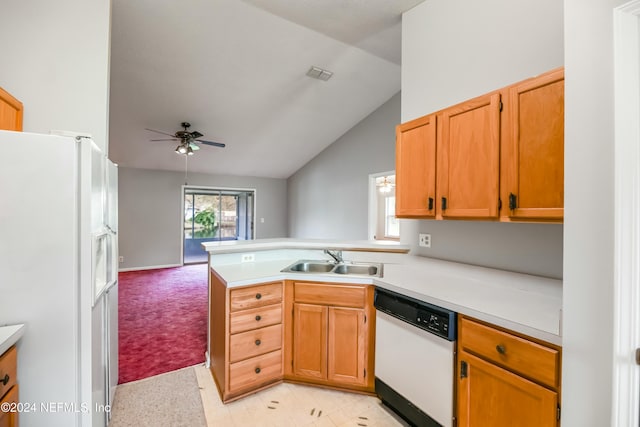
<point>236,71</point>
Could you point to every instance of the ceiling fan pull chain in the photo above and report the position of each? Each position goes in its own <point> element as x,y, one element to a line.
<point>186,165</point>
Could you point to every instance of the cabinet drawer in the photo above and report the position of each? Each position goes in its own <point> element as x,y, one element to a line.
<point>254,372</point>
<point>517,354</point>
<point>254,318</point>
<point>256,296</point>
<point>336,295</point>
<point>252,343</point>
<point>8,370</point>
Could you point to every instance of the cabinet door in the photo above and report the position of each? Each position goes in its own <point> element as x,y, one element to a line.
<point>491,396</point>
<point>534,154</point>
<point>347,346</point>
<point>469,159</point>
<point>310,341</point>
<point>9,419</point>
<point>416,168</point>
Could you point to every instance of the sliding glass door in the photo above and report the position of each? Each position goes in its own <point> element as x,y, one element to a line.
<point>214,215</point>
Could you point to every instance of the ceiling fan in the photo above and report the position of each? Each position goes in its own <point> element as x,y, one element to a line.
<point>188,140</point>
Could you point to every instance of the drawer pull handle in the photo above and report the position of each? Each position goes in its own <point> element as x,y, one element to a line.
<point>258,318</point>
<point>258,342</point>
<point>258,296</point>
<point>5,380</point>
<point>257,370</point>
<point>500,349</point>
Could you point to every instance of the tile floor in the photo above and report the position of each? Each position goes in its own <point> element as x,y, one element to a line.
<point>293,405</point>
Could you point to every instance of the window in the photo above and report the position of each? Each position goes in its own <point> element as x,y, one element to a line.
<point>215,214</point>
<point>383,224</point>
<point>391,223</point>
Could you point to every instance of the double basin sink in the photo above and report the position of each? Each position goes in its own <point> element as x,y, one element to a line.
<point>344,268</point>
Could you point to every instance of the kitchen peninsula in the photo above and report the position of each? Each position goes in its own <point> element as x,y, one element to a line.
<point>256,310</point>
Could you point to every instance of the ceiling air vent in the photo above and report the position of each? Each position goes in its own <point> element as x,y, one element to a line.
<point>319,73</point>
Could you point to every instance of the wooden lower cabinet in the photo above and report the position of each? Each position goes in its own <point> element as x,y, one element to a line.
<point>505,379</point>
<point>493,396</point>
<point>347,346</point>
<point>331,344</point>
<point>245,337</point>
<point>306,332</point>
<point>9,387</point>
<point>310,341</point>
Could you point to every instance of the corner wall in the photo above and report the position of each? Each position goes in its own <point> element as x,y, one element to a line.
<point>149,208</point>
<point>328,197</point>
<point>588,286</point>
<point>453,50</point>
<point>55,60</point>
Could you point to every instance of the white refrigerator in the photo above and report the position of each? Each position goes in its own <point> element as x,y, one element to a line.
<point>58,267</point>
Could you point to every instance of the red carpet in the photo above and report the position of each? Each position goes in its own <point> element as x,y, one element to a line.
<point>162,320</point>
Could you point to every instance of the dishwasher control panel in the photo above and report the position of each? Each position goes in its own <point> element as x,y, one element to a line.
<point>433,321</point>
<point>437,320</point>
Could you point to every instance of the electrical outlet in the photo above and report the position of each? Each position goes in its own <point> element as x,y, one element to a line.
<point>424,240</point>
<point>248,257</point>
<point>121,258</point>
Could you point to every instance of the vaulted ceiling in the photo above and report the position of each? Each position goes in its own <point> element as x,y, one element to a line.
<point>236,71</point>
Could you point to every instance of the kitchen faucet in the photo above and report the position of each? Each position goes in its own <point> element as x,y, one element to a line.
<point>336,255</point>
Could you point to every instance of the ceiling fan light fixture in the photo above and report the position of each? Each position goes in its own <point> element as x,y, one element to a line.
<point>189,151</point>
<point>385,186</point>
<point>182,149</point>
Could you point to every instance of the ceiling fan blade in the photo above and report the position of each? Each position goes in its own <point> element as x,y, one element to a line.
<point>194,147</point>
<point>215,144</point>
<point>167,139</point>
<point>159,131</point>
<point>195,134</point>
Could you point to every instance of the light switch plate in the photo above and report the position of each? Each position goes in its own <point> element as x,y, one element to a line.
<point>424,240</point>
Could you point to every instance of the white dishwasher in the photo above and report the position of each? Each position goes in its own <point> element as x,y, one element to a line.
<point>415,358</point>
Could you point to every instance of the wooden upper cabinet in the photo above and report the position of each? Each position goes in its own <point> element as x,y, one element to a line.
<point>533,150</point>
<point>469,159</point>
<point>416,168</point>
<point>10,112</point>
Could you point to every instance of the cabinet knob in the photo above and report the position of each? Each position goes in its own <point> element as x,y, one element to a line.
<point>258,317</point>
<point>258,296</point>
<point>444,203</point>
<point>430,204</point>
<point>257,370</point>
<point>258,342</point>
<point>500,349</point>
<point>5,380</point>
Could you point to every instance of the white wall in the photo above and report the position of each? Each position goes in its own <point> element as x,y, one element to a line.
<point>453,50</point>
<point>589,189</point>
<point>149,208</point>
<point>328,197</point>
<point>55,59</point>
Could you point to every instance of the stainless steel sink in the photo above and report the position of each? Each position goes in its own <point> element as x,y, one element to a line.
<point>311,267</point>
<point>343,268</point>
<point>366,269</point>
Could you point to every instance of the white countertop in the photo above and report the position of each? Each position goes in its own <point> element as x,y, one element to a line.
<point>9,335</point>
<point>230,246</point>
<point>520,302</point>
